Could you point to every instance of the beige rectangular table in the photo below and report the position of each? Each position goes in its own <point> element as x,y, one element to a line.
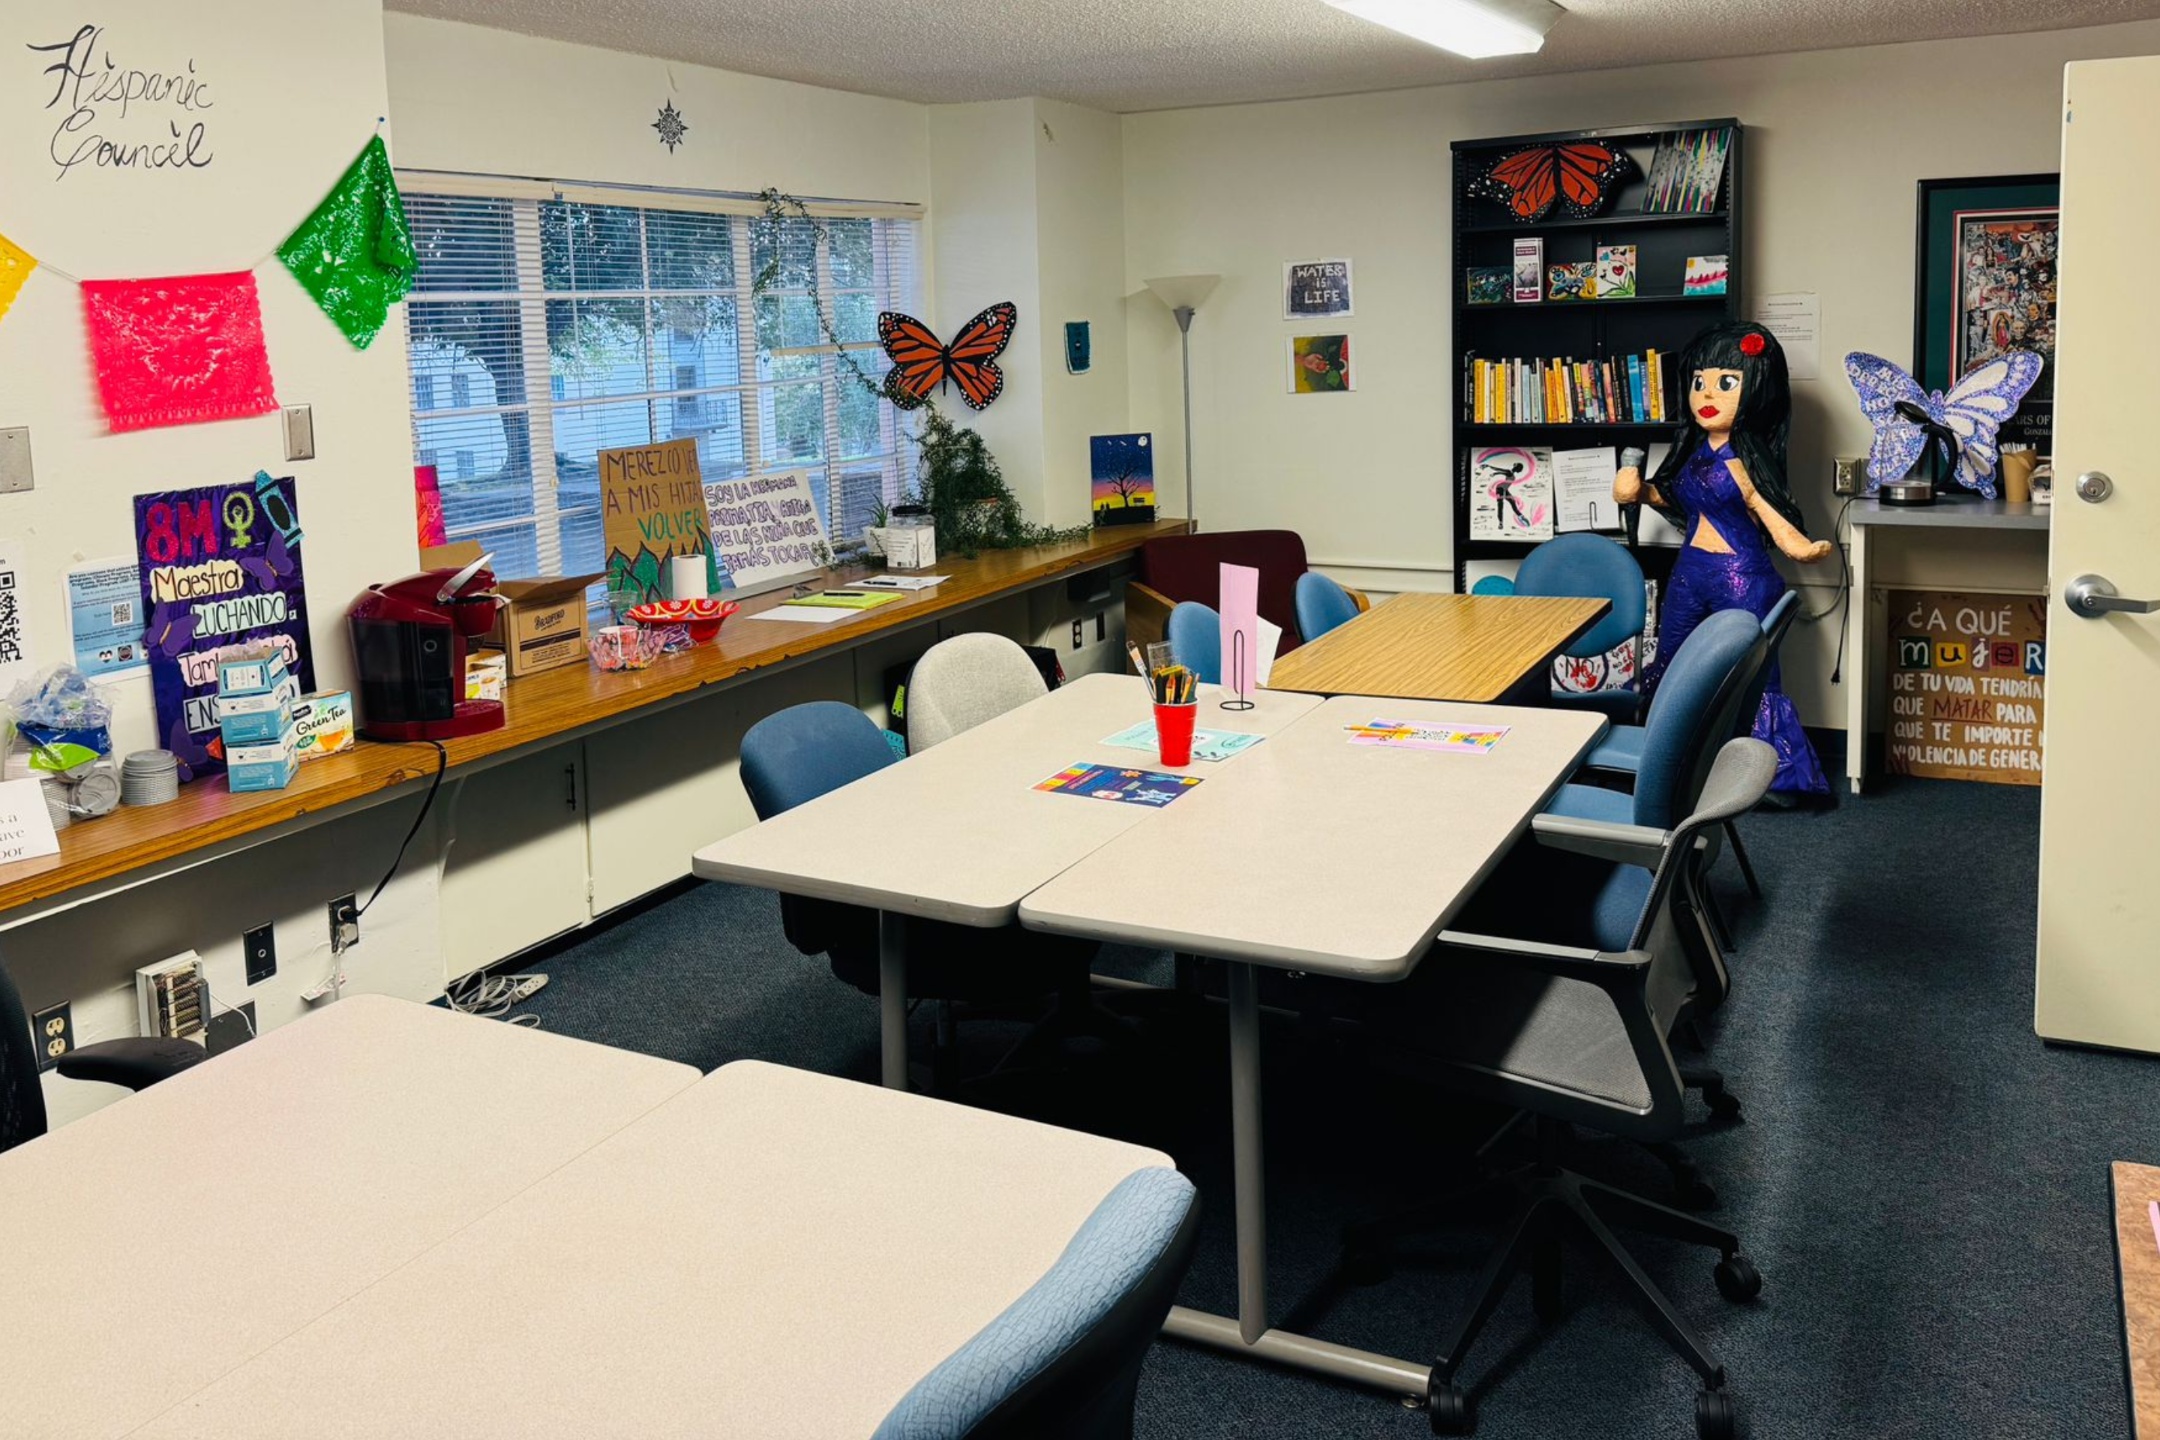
<point>772,1253</point>
<point>960,833</point>
<point>1439,647</point>
<point>175,1234</point>
<point>1331,858</point>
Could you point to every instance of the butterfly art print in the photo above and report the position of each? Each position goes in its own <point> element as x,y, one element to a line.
<point>922,365</point>
<point>1971,411</point>
<point>1577,176</point>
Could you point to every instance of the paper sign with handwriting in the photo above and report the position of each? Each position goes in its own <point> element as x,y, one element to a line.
<point>766,528</point>
<point>652,511</point>
<point>26,826</point>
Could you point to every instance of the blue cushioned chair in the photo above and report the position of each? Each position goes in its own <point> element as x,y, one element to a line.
<point>795,755</point>
<point>1620,752</point>
<point>1063,1361</point>
<point>1195,636</point>
<point>1594,566</point>
<point>1703,684</point>
<point>1493,585</point>
<point>1322,605</point>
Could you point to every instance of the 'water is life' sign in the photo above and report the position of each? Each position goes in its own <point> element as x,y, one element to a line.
<point>1315,288</point>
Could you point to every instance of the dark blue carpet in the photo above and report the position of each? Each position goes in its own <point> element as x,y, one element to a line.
<point>1922,1182</point>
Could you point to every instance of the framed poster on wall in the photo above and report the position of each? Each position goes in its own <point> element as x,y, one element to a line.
<point>1985,273</point>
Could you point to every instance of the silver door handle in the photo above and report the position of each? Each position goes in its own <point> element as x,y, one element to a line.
<point>2092,597</point>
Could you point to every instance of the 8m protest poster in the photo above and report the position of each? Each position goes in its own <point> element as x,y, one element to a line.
<point>220,567</point>
<point>1968,685</point>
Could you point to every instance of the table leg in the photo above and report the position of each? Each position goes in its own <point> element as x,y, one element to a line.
<point>1248,1156</point>
<point>1249,1334</point>
<point>1856,661</point>
<point>892,998</point>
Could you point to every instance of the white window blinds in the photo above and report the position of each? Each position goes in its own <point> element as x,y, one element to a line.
<point>548,323</point>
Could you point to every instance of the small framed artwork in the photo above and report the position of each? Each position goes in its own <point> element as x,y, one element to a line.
<point>1320,365</point>
<point>1316,289</point>
<point>1079,348</point>
<point>1488,284</point>
<point>1986,277</point>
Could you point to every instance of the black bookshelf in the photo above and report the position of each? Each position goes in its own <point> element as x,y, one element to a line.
<point>1658,317</point>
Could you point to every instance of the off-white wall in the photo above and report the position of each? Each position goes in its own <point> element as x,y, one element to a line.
<point>1080,227</point>
<point>296,91</point>
<point>1836,141</point>
<point>490,102</point>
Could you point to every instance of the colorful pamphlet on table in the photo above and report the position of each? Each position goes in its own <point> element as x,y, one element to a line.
<point>1411,735</point>
<point>1150,788</point>
<point>828,606</point>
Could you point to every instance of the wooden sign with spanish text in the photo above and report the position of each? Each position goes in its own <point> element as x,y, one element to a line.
<point>652,509</point>
<point>1968,682</point>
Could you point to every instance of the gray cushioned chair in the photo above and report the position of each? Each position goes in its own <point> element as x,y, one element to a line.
<point>1574,1035</point>
<point>961,682</point>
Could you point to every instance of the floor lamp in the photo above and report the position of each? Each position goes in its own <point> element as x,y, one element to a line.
<point>1183,294</point>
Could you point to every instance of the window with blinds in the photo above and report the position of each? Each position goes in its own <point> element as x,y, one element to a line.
<point>547,327</point>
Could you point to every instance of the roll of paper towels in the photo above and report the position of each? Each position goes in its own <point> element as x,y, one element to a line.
<point>686,578</point>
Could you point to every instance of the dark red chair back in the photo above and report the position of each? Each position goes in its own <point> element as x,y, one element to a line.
<point>1185,567</point>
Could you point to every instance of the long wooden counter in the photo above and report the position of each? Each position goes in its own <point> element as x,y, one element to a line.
<point>544,709</point>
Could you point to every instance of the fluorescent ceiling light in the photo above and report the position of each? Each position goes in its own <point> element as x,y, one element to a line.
<point>1478,29</point>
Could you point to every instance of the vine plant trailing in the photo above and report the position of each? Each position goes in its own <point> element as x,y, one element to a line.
<point>957,478</point>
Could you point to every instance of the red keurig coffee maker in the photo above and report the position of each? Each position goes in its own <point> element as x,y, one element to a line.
<point>409,641</point>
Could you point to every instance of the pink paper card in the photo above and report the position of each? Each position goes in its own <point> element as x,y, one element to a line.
<point>1239,594</point>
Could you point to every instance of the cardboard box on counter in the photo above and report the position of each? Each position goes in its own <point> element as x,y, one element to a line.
<point>542,625</point>
<point>323,724</point>
<point>260,767</point>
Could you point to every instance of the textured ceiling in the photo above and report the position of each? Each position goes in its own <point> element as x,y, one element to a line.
<point>1126,55</point>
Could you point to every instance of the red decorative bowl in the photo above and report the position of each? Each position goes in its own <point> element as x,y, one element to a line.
<point>702,618</point>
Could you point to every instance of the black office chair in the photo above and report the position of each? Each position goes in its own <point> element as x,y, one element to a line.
<point>135,1063</point>
<point>1573,1035</point>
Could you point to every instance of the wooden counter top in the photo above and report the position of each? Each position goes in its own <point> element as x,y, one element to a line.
<point>543,709</point>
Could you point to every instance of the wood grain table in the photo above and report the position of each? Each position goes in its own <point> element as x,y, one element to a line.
<point>1477,648</point>
<point>547,709</point>
<point>2137,1257</point>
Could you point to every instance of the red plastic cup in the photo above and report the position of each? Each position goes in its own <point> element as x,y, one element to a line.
<point>1174,732</point>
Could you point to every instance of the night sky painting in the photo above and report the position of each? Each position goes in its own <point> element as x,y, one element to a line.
<point>1122,468</point>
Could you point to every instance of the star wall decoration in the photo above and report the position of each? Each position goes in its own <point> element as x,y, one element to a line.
<point>671,126</point>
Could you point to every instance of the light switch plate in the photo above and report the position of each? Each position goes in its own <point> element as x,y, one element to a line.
<point>16,474</point>
<point>299,432</point>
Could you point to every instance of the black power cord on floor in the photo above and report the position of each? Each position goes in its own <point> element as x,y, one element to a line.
<point>442,763</point>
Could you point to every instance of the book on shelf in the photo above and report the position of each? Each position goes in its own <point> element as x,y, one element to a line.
<point>1511,493</point>
<point>1687,171</point>
<point>1529,269</point>
<point>1617,390</point>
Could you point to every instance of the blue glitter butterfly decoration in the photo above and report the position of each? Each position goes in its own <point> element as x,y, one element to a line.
<point>1972,410</point>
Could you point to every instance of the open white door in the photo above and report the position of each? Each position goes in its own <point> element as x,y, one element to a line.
<point>2099,981</point>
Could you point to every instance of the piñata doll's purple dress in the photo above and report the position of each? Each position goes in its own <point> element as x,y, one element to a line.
<point>1704,582</point>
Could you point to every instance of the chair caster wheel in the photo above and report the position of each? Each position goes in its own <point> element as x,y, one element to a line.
<point>1737,1279</point>
<point>1724,1105</point>
<point>1714,1416</point>
<point>1448,1407</point>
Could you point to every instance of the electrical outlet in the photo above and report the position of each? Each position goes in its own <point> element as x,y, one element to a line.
<point>344,923</point>
<point>1845,474</point>
<point>54,1028</point>
<point>260,947</point>
<point>1077,632</point>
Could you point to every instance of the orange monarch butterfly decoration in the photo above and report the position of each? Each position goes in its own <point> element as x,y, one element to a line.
<point>1576,174</point>
<point>921,363</point>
